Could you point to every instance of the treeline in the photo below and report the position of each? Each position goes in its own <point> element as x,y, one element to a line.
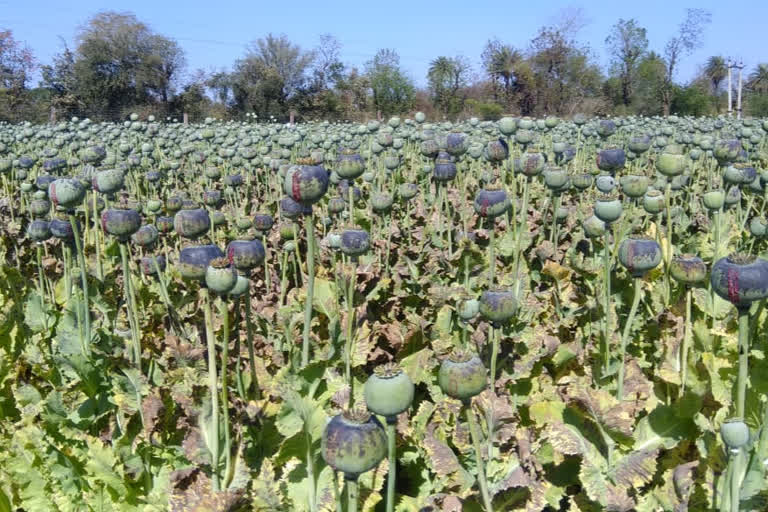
<point>119,65</point>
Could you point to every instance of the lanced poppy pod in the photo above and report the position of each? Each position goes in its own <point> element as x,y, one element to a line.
<point>120,223</point>
<point>688,269</point>
<point>355,242</point>
<point>193,261</point>
<point>306,184</point>
<point>354,442</point>
<point>462,375</point>
<point>192,224</point>
<point>491,202</point>
<point>639,255</point>
<point>245,255</point>
<point>611,159</point>
<point>740,279</point>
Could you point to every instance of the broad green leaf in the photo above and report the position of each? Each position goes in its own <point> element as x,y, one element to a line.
<point>662,428</point>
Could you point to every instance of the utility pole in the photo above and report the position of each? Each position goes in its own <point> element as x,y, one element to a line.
<point>730,88</point>
<point>739,66</point>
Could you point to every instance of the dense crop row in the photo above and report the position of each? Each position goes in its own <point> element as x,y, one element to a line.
<point>521,315</point>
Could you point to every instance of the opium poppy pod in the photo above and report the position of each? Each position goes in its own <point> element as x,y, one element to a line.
<point>245,255</point>
<point>605,183</point>
<point>497,150</point>
<point>498,306</point>
<point>164,224</point>
<point>66,193</point>
<point>174,204</point>
<point>726,151</point>
<point>336,205</point>
<point>193,261</point>
<point>389,391</point>
<point>455,143</point>
<point>108,181</point>
<point>606,128</point>
<point>355,242</point>
<point>490,203</point>
<point>220,276</point>
<point>306,184</point>
<point>671,163</point>
<point>467,309</point>
<point>608,209</point>
<point>120,223</point>
<point>241,286</point>
<point>445,168</point>
<point>61,228</point>
<point>354,442</point>
<point>145,236</point>
<point>39,230</point>
<point>263,222</point>
<point>211,197</point>
<point>633,185</point>
<point>290,208</point>
<point>758,227</point>
<point>381,202</point>
<point>429,148</point>
<point>593,227</point>
<point>640,144</point>
<point>407,191</point>
<point>639,255</point>
<point>582,181</point>
<point>556,180</point>
<point>40,208</point>
<point>531,163</point>
<point>191,224</point>
<point>43,182</point>
<point>147,264</point>
<point>688,269</point>
<point>611,159</point>
<point>740,279</point>
<point>653,201</point>
<point>734,433</point>
<point>462,375</point>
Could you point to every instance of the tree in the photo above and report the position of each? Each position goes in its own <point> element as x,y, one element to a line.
<point>651,74</point>
<point>627,43</point>
<point>715,71</point>
<point>393,91</point>
<point>283,58</point>
<point>687,39</point>
<point>758,79</point>
<point>16,67</point>
<point>447,79</point>
<point>119,64</point>
<point>564,73</point>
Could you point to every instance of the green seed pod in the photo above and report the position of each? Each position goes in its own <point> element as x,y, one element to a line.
<point>306,184</point>
<point>582,181</point>
<point>498,306</point>
<point>462,375</point>
<point>639,255</point>
<point>389,391</point>
<point>336,205</point>
<point>758,227</point>
<point>407,191</point>
<point>120,223</point>
<point>593,227</point>
<point>633,185</point>
<point>109,181</point>
<point>733,196</point>
<point>66,193</point>
<point>194,261</point>
<point>734,433</point>
<point>670,164</point>
<point>40,208</point>
<point>608,209</point>
<point>467,309</point>
<point>556,179</point>
<point>192,224</point>
<point>220,276</point>
<point>381,202</point>
<point>714,200</point>
<point>653,202</point>
<point>241,286</point>
<point>354,442</point>
<point>688,269</point>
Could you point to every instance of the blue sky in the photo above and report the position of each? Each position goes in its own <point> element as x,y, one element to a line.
<point>214,34</point>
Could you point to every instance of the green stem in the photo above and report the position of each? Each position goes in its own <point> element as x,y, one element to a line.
<point>130,304</point>
<point>668,256</point>
<point>519,236</point>
<point>392,463</point>
<point>479,455</point>
<point>625,338</point>
<point>249,338</point>
<point>212,385</point>
<point>492,251</point>
<point>606,298</point>
<point>84,280</point>
<point>224,312</point>
<point>350,329</point>
<point>41,284</point>
<point>686,342</point>
<point>351,494</point>
<point>310,228</point>
<point>743,361</point>
<point>311,473</point>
